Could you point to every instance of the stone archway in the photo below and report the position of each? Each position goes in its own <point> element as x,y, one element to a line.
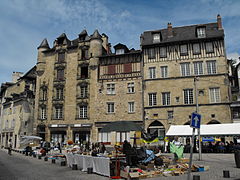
<point>213,122</point>
<point>156,126</point>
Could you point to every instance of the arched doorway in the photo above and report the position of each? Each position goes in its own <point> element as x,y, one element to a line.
<point>213,122</point>
<point>41,131</point>
<point>156,126</point>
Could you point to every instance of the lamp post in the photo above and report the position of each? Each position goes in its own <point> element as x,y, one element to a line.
<point>197,109</point>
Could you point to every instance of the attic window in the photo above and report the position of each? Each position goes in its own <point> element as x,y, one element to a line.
<point>119,51</point>
<point>201,32</point>
<point>156,38</point>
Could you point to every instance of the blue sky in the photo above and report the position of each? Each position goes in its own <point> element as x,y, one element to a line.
<point>25,23</point>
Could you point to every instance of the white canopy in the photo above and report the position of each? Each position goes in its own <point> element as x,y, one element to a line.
<point>205,130</point>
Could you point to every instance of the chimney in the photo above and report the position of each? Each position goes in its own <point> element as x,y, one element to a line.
<point>109,48</point>
<point>219,22</point>
<point>170,31</point>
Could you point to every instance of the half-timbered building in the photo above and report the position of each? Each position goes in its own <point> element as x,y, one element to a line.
<point>175,57</point>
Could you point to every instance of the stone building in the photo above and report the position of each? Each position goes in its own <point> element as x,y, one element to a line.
<point>119,92</point>
<point>17,107</point>
<point>182,65</point>
<point>67,87</point>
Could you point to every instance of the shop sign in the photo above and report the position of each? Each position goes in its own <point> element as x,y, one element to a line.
<point>58,125</point>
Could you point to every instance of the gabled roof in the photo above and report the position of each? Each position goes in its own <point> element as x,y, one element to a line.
<point>184,33</point>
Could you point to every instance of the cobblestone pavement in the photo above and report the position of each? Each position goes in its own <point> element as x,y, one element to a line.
<point>20,167</point>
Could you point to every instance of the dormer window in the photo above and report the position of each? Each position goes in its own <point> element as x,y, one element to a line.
<point>119,51</point>
<point>156,38</point>
<point>201,32</point>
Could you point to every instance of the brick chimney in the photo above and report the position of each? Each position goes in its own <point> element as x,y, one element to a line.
<point>170,31</point>
<point>219,22</point>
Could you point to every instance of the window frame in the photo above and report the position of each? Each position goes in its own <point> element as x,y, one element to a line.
<point>43,112</point>
<point>188,96</point>
<point>110,107</point>
<point>131,87</point>
<point>82,111</point>
<point>131,107</point>
<point>58,112</point>
<point>201,32</point>
<point>152,99</point>
<point>152,72</point>
<point>194,48</point>
<point>111,89</point>
<point>183,49</point>
<point>209,47</point>
<point>197,68</point>
<point>211,67</point>
<point>151,52</point>
<point>164,71</point>
<point>184,69</point>
<point>166,98</point>
<point>214,96</point>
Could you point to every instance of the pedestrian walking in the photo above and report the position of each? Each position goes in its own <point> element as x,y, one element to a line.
<point>10,147</point>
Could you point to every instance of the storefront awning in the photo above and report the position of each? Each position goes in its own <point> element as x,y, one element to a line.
<point>206,130</point>
<point>121,126</point>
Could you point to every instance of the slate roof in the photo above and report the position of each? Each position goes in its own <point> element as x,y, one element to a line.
<point>96,35</point>
<point>44,44</point>
<point>184,33</point>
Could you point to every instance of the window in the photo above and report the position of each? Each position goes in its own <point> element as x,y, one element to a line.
<point>119,51</point>
<point>201,32</point>
<point>110,107</point>
<point>61,57</point>
<point>84,91</point>
<point>163,52</point>
<point>58,112</point>
<point>110,88</point>
<point>131,88</point>
<point>84,72</point>
<point>151,53</point>
<point>43,113</point>
<point>170,114</point>
<point>84,53</point>
<point>152,99</point>
<point>156,38</point>
<point>183,50</point>
<point>104,136</point>
<point>209,47</point>
<point>60,74</point>
<point>185,69</point>
<point>164,71</point>
<point>59,93</point>
<point>214,95</point>
<point>188,96</point>
<point>198,68</point>
<point>196,49</point>
<point>211,67</point>
<point>6,124</point>
<point>152,72</point>
<point>165,98</point>
<point>122,136</point>
<point>83,110</point>
<point>131,108</point>
<point>236,113</point>
<point>43,94</point>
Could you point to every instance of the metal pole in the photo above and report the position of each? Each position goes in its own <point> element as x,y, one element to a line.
<point>191,154</point>
<point>197,109</point>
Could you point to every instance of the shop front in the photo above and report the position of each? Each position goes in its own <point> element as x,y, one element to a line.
<point>58,133</point>
<point>81,133</point>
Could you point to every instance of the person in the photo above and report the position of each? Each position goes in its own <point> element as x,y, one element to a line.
<point>102,148</point>
<point>10,147</point>
<point>127,150</point>
<point>59,147</point>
